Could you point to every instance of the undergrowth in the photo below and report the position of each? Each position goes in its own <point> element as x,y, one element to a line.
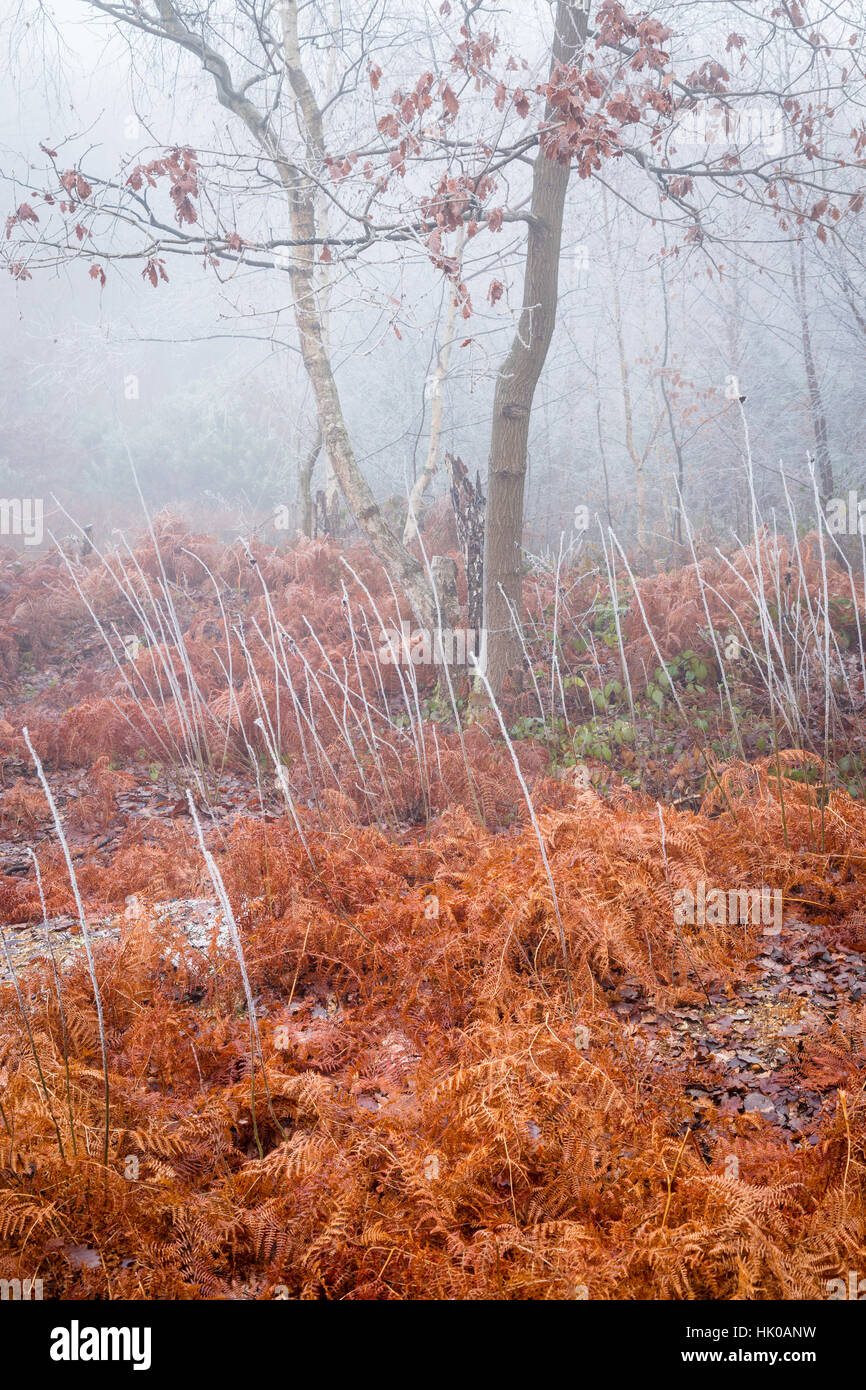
<point>435,1097</point>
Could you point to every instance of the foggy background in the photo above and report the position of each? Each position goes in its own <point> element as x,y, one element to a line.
<point>200,379</point>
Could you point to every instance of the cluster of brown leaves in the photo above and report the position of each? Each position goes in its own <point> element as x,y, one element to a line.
<point>790,582</point>
<point>428,1114</point>
<point>438,1097</point>
<point>333,609</point>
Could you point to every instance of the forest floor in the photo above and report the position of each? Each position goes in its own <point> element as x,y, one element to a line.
<point>442,1043</point>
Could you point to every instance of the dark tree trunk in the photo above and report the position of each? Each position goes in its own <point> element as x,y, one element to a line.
<point>469,509</point>
<point>816,401</point>
<point>515,388</point>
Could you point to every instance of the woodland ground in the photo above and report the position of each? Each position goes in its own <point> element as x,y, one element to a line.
<point>471,1069</point>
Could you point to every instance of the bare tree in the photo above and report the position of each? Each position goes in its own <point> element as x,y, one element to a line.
<point>467,145</point>
<point>518,378</point>
<point>276,60</point>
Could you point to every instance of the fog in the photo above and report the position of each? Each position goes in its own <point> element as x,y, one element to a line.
<point>201,380</point>
<point>433,665</point>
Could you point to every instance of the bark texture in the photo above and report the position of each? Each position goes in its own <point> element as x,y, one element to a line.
<point>468,503</point>
<point>516,383</point>
<point>443,360</point>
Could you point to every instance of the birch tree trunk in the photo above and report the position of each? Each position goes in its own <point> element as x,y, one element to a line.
<point>300,192</point>
<point>406,571</point>
<point>636,458</point>
<point>516,383</point>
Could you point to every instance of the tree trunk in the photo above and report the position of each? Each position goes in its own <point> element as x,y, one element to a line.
<point>300,192</point>
<point>468,504</point>
<point>332,484</point>
<point>431,463</point>
<point>636,458</point>
<point>516,383</point>
<point>305,490</point>
<point>444,571</point>
<point>405,569</point>
<point>816,402</point>
<point>679,497</point>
